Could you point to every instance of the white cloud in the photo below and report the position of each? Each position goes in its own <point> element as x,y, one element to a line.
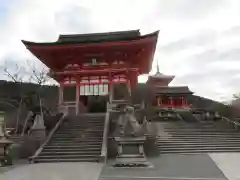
<point>197,38</point>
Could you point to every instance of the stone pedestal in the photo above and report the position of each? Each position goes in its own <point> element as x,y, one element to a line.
<point>38,129</point>
<point>130,152</point>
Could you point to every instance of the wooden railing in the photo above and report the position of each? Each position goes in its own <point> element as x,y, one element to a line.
<point>104,152</point>
<point>49,137</point>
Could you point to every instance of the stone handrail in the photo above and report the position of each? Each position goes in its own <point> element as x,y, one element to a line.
<point>29,115</point>
<point>104,152</point>
<point>234,123</point>
<point>49,137</point>
<point>179,116</point>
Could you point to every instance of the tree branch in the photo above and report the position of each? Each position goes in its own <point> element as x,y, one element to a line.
<point>16,77</point>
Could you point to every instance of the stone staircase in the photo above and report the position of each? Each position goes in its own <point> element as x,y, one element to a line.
<point>78,139</point>
<point>204,137</point>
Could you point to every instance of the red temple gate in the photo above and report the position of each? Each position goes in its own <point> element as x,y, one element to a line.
<point>90,64</point>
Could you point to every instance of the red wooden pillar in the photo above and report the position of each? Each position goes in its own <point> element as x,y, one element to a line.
<point>185,98</point>
<point>129,87</point>
<point>171,101</point>
<point>160,100</point>
<point>133,79</point>
<point>167,100</point>
<point>77,96</point>
<point>183,101</point>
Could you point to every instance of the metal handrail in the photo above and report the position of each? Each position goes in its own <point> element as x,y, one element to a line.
<point>48,138</point>
<point>105,136</point>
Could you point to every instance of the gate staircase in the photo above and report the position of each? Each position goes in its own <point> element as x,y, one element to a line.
<point>78,139</point>
<point>204,137</point>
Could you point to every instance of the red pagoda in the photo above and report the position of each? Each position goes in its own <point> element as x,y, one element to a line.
<point>166,96</point>
<point>89,64</point>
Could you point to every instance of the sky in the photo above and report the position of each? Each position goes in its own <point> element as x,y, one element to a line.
<point>199,40</point>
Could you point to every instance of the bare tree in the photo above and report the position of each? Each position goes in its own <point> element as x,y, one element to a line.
<point>15,75</point>
<point>36,75</point>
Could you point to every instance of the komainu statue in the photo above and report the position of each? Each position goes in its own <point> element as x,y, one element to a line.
<point>130,138</point>
<point>127,124</point>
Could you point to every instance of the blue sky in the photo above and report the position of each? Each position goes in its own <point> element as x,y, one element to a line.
<point>199,41</point>
<point>4,5</point>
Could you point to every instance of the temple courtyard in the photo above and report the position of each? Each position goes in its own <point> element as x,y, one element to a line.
<point>219,166</point>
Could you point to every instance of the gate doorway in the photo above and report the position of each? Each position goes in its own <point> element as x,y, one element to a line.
<point>94,104</point>
<point>94,97</point>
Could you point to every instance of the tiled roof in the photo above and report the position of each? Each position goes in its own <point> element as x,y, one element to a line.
<point>172,90</point>
<point>99,37</point>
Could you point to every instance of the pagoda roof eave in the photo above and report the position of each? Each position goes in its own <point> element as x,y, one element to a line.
<point>166,78</point>
<point>72,43</point>
<point>161,77</point>
<point>173,90</point>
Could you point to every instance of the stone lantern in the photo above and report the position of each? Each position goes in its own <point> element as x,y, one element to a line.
<point>4,144</point>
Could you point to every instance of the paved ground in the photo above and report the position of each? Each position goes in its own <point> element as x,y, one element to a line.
<point>171,167</point>
<point>165,167</point>
<point>229,163</point>
<point>53,171</point>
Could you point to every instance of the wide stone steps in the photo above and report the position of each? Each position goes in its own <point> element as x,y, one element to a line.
<point>198,151</point>
<point>67,149</point>
<point>82,137</point>
<point>193,125</point>
<point>165,146</point>
<point>152,177</point>
<point>79,131</point>
<point>203,130</point>
<point>182,137</point>
<point>66,156</point>
<point>78,139</point>
<point>75,153</point>
<point>77,146</point>
<point>78,134</point>
<point>50,160</point>
<point>180,141</point>
<point>75,143</point>
<point>205,135</point>
<point>191,137</point>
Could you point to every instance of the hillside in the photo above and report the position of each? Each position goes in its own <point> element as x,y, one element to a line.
<point>11,90</point>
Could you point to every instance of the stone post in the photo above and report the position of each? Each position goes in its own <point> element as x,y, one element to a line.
<point>169,114</point>
<point>160,114</point>
<point>217,115</point>
<point>1,128</point>
<point>207,115</point>
<point>60,100</point>
<point>38,129</point>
